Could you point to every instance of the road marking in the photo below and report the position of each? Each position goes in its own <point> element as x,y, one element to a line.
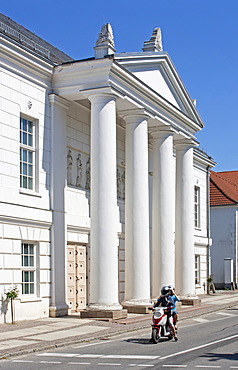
<point>132,357</point>
<point>175,365</point>
<point>95,344</point>
<point>208,366</point>
<point>58,354</point>
<point>50,362</point>
<point>22,361</point>
<point>226,314</point>
<point>141,365</point>
<point>79,363</point>
<point>89,355</point>
<point>108,364</point>
<point>200,319</point>
<point>200,323</point>
<point>199,347</point>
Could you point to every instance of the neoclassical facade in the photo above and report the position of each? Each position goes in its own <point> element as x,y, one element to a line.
<point>104,197</point>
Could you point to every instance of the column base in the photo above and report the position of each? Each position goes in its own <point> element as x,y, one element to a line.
<point>137,306</point>
<point>103,314</point>
<point>104,307</point>
<point>190,301</point>
<point>59,310</point>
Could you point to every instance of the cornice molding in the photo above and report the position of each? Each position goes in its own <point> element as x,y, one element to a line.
<point>78,229</point>
<point>74,80</point>
<point>203,159</point>
<point>17,221</point>
<point>16,57</point>
<point>58,100</point>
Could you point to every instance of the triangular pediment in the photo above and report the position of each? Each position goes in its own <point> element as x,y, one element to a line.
<point>157,71</point>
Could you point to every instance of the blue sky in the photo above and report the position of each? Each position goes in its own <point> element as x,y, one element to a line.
<point>200,36</point>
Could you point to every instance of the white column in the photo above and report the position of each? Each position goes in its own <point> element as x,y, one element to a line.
<point>163,210</point>
<point>137,258</point>
<point>103,199</point>
<point>59,106</point>
<point>184,229</point>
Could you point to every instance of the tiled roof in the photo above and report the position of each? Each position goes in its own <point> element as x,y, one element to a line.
<point>28,40</point>
<point>223,188</point>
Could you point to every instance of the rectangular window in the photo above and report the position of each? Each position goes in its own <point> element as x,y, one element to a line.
<point>197,207</point>
<point>28,261</point>
<point>27,154</point>
<point>197,269</point>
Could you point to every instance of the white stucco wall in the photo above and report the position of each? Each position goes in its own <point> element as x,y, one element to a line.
<point>224,237</point>
<point>25,215</point>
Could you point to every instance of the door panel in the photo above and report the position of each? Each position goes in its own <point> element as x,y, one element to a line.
<point>77,277</point>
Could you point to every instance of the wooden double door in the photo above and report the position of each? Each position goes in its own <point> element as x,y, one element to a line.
<point>77,270</point>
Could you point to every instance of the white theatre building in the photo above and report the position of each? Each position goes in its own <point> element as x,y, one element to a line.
<point>103,191</point>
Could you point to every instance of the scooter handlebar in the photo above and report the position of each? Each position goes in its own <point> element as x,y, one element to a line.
<point>164,308</point>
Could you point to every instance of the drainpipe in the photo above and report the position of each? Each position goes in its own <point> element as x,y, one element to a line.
<point>208,224</point>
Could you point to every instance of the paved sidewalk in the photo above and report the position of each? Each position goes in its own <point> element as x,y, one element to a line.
<point>38,335</point>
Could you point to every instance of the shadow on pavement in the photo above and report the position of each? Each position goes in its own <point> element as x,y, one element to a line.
<point>221,356</point>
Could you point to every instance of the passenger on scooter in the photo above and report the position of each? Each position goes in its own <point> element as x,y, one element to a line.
<point>174,298</point>
<point>165,300</point>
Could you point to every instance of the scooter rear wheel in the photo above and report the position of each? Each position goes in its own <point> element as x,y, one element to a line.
<point>156,335</point>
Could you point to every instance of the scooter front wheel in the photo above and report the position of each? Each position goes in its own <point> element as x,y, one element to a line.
<point>156,335</point>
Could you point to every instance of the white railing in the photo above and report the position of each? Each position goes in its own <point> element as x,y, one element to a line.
<point>24,39</point>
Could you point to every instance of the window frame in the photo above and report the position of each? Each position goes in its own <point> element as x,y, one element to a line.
<point>197,266</point>
<point>29,268</point>
<point>33,149</point>
<point>197,207</point>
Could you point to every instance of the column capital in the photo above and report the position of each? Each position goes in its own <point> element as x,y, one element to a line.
<point>131,115</point>
<point>185,143</point>
<point>101,96</point>
<point>161,131</point>
<point>55,99</point>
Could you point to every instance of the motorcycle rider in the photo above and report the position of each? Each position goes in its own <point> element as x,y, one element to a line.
<point>166,300</point>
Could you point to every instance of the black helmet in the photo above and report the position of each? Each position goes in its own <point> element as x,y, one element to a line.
<point>165,291</point>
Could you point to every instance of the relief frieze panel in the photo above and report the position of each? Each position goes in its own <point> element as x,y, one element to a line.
<point>79,172</point>
<point>78,169</point>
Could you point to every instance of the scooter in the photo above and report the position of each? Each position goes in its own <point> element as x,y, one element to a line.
<point>160,325</point>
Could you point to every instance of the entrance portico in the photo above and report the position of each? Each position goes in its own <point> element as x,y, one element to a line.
<point>115,92</point>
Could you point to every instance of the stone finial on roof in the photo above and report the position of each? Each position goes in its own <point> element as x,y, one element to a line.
<point>105,42</point>
<point>155,42</point>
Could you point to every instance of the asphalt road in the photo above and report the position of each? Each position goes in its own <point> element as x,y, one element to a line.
<point>206,342</point>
